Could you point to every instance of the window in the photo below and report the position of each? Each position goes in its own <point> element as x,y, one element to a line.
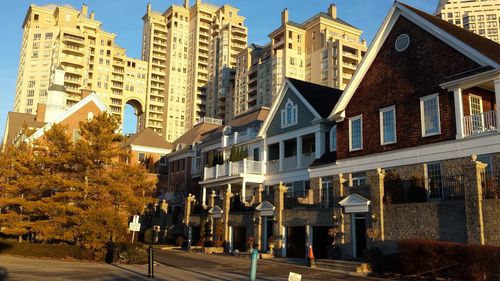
<point>142,157</point>
<point>48,36</point>
<point>333,138</point>
<point>429,115</point>
<point>486,159</point>
<point>434,180</point>
<point>327,192</point>
<point>388,125</point>
<point>356,133</point>
<point>76,135</point>
<point>289,114</point>
<point>358,179</point>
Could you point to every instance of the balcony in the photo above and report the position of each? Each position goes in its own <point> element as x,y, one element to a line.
<point>290,163</point>
<point>480,123</point>
<point>229,169</point>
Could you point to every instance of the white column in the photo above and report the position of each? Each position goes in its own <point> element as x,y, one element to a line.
<point>243,192</point>
<point>497,101</point>
<point>309,238</point>
<point>204,197</point>
<point>264,157</point>
<point>459,112</point>
<point>299,152</point>
<point>282,155</point>
<point>319,138</point>
<point>231,237</point>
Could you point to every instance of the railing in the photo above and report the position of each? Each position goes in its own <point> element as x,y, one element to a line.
<point>480,123</point>
<point>307,159</point>
<point>234,168</point>
<point>289,163</point>
<point>273,166</point>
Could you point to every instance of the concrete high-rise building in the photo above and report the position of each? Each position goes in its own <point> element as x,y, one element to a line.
<point>190,51</point>
<point>324,50</point>
<point>56,36</point>
<point>479,16</point>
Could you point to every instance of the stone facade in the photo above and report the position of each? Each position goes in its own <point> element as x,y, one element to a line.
<point>491,215</point>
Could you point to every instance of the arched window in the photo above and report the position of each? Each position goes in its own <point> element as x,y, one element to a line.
<point>289,114</point>
<point>333,138</point>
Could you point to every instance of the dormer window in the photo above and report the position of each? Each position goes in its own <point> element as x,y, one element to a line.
<point>289,114</point>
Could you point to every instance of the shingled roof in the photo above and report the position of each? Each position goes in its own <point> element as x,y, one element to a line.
<point>148,137</point>
<point>320,97</point>
<point>483,45</point>
<point>197,133</point>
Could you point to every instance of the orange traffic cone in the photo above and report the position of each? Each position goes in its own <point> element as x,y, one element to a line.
<point>310,257</point>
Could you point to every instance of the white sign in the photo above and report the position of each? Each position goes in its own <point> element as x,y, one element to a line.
<point>135,225</point>
<point>294,276</point>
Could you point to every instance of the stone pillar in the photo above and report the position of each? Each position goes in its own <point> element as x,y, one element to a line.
<point>260,189</point>
<point>376,178</point>
<point>278,229</point>
<point>474,201</point>
<point>258,230</point>
<point>212,199</point>
<point>316,190</point>
<point>225,215</point>
<point>187,208</point>
<point>338,182</point>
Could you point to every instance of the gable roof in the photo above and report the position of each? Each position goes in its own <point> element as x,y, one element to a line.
<point>479,49</point>
<point>15,122</point>
<point>90,98</point>
<point>317,98</point>
<point>320,97</point>
<point>148,137</point>
<point>197,133</point>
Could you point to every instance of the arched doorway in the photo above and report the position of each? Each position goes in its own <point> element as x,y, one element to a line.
<point>133,117</point>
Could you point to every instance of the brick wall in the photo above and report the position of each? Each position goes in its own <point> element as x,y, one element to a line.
<point>491,215</point>
<point>488,99</point>
<point>401,78</point>
<point>442,221</point>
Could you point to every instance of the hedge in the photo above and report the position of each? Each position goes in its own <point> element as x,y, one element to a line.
<point>439,259</point>
<point>57,251</point>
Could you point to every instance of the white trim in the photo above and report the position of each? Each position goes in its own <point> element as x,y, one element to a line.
<point>381,116</point>
<point>422,115</point>
<point>400,10</point>
<point>480,103</point>
<point>92,97</point>
<point>284,114</point>
<point>482,144</point>
<point>148,149</point>
<point>354,118</point>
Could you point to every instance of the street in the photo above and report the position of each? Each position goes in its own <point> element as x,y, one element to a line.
<point>170,265</point>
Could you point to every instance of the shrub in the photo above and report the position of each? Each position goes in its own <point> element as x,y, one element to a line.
<point>449,260</point>
<point>57,251</point>
<point>149,236</point>
<point>126,252</point>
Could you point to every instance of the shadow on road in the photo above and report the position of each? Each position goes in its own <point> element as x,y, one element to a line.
<point>129,270</point>
<point>3,274</point>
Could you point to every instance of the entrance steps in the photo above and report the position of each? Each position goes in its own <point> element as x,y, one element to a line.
<point>356,267</point>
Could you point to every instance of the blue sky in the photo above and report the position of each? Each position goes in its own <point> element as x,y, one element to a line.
<point>123,17</point>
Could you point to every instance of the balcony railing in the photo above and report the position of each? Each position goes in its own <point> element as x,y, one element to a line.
<point>233,169</point>
<point>290,163</point>
<point>273,166</point>
<point>307,159</point>
<point>480,123</point>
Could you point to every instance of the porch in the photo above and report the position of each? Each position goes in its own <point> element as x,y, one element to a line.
<point>295,153</point>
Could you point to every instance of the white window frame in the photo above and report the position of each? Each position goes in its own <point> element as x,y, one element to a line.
<point>333,138</point>
<point>381,115</point>
<point>139,156</point>
<point>284,114</point>
<point>471,96</point>
<point>422,115</point>
<point>360,117</point>
<point>75,133</point>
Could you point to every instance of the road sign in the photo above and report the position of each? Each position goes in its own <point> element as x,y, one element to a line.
<point>294,276</point>
<point>135,225</point>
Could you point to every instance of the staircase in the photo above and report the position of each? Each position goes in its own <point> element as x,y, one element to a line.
<point>356,267</point>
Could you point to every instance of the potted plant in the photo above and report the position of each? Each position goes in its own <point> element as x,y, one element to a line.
<point>334,250</point>
<point>271,244</point>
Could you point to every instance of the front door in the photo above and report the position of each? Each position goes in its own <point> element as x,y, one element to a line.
<point>240,238</point>
<point>359,235</point>
<point>296,242</point>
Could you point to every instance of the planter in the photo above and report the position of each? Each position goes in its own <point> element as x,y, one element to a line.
<point>334,253</point>
<point>213,250</point>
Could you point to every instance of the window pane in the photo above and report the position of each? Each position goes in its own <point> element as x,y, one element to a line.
<point>356,133</point>
<point>334,139</point>
<point>389,127</point>
<point>431,120</point>
<point>434,177</point>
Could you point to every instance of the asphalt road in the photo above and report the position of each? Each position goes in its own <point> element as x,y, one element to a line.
<point>170,265</point>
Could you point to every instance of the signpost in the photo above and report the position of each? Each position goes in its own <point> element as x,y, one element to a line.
<point>134,226</point>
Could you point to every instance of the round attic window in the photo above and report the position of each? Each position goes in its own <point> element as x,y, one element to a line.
<point>402,42</point>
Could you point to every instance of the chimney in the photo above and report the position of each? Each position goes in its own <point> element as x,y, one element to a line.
<point>40,112</point>
<point>86,93</point>
<point>186,4</point>
<point>332,11</point>
<point>92,15</point>
<point>284,16</point>
<point>148,7</point>
<point>84,10</point>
